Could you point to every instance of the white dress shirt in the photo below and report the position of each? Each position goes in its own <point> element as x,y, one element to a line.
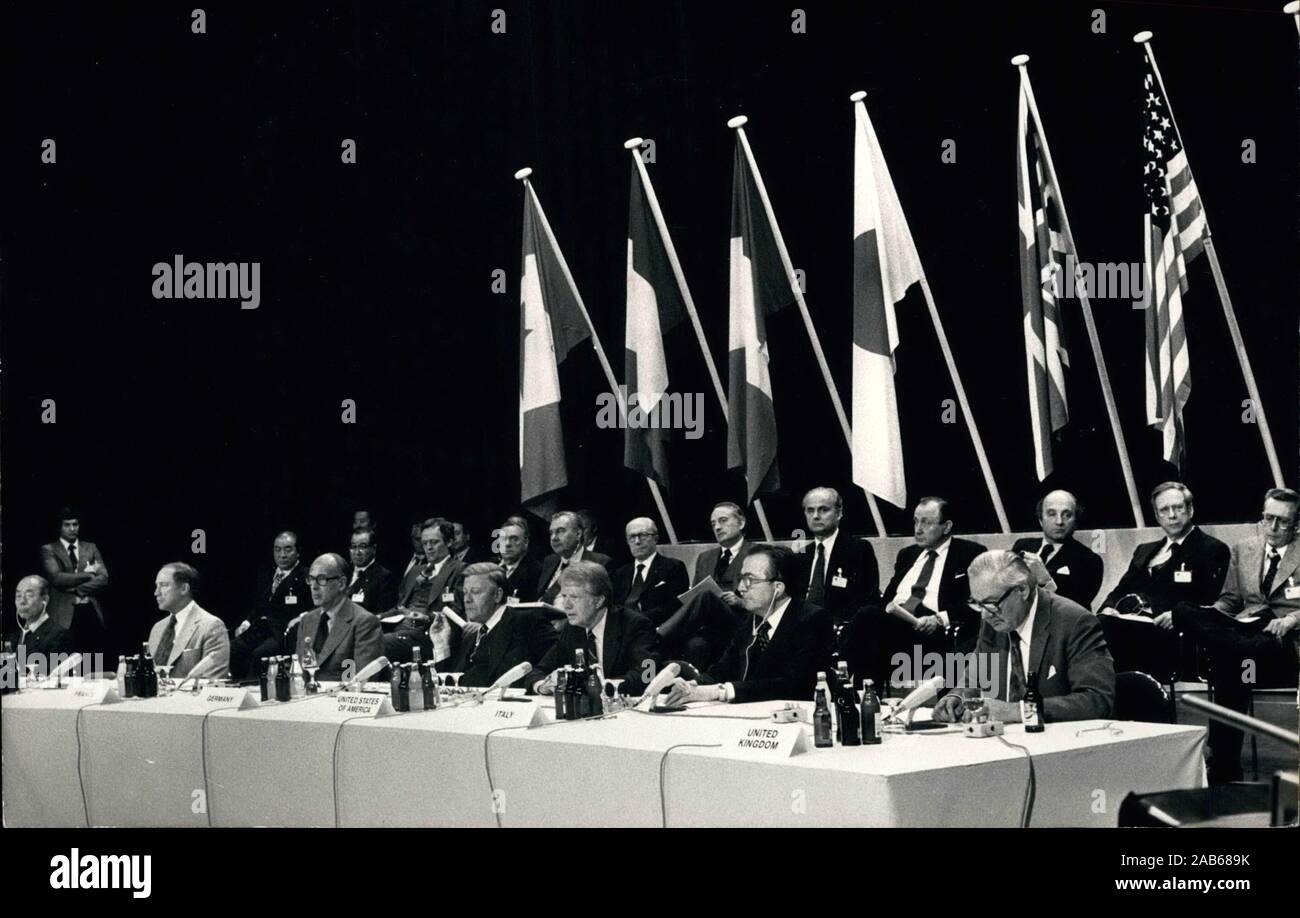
<point>829,546</point>
<point>931,598</point>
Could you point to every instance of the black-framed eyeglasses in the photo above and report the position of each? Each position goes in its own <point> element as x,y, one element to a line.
<point>321,579</point>
<point>749,579</point>
<point>994,607</point>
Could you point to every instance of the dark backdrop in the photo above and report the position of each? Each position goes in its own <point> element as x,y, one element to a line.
<point>376,278</point>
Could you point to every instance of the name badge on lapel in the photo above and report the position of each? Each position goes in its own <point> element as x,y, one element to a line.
<point>291,599</point>
<point>1292,591</point>
<point>359,596</point>
<point>1063,570</point>
<point>448,596</point>
<point>839,580</point>
<point>1182,575</point>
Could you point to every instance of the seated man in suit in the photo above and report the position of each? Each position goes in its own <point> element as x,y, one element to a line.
<point>505,636</point>
<point>462,547</point>
<point>1254,619</point>
<point>1075,569</point>
<point>521,571</point>
<point>931,586</point>
<point>836,571</point>
<point>413,566</point>
<point>1187,565</point>
<point>373,586</point>
<point>623,643</point>
<point>778,647</point>
<point>343,636</point>
<point>652,582</point>
<point>190,640</point>
<point>38,634</point>
<point>701,627</point>
<point>437,586</point>
<point>282,596</point>
<point>77,575</point>
<point>567,548</point>
<point>1029,630</point>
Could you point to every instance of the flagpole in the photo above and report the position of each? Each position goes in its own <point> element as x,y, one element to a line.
<point>1019,61</point>
<point>1238,343</point>
<point>633,145</point>
<point>737,124</point>
<point>522,175</point>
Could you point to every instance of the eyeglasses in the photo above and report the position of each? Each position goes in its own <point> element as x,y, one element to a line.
<point>1171,510</point>
<point>320,580</point>
<point>749,579</point>
<point>1280,522</point>
<point>984,605</point>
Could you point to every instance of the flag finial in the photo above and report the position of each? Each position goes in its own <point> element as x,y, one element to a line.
<point>524,173</point>
<point>632,143</point>
<point>1020,60</point>
<point>738,121</point>
<point>1142,37</point>
<point>860,94</point>
<point>1293,7</point>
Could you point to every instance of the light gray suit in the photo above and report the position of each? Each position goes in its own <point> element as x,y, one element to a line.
<point>201,647</point>
<point>1242,589</point>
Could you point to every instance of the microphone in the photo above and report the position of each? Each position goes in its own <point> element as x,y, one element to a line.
<point>665,676</point>
<point>66,666</point>
<point>508,678</point>
<point>926,691</point>
<point>366,672</point>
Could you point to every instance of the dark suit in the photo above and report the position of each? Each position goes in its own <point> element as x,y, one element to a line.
<point>706,565</point>
<point>852,559</point>
<point>871,641</point>
<point>787,670</point>
<point>355,635</point>
<point>1076,569</point>
<point>273,610</point>
<point>522,582</point>
<point>629,651</point>
<point>552,561</point>
<point>1155,651</point>
<point>375,589</point>
<point>1076,675</point>
<point>664,581</point>
<point>520,635</point>
<point>1230,642</point>
<point>473,555</point>
<point>407,581</point>
<point>49,639</point>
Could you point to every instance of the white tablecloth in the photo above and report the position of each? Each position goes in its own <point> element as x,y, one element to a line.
<point>142,762</point>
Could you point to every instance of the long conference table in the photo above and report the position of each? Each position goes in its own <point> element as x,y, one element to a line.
<point>225,759</point>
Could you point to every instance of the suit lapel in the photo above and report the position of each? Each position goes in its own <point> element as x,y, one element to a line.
<point>342,623</point>
<point>183,637</point>
<point>609,645</point>
<point>1038,640</point>
<point>1287,567</point>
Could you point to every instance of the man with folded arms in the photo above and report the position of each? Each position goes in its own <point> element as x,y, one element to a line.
<point>1250,631</point>
<point>1026,630</point>
<point>504,636</point>
<point>778,647</point>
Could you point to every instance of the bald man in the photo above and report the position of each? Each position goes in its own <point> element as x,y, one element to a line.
<point>1076,568</point>
<point>834,570</point>
<point>344,636</point>
<point>652,582</point>
<point>38,633</point>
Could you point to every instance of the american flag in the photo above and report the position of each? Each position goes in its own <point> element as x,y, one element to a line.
<point>1175,227</point>
<point>1043,264</point>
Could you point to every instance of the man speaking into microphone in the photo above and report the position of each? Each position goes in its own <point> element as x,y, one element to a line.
<point>777,648</point>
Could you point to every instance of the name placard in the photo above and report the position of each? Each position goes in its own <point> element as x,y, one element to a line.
<point>510,714</point>
<point>228,697</point>
<point>757,740</point>
<point>96,691</point>
<point>365,704</point>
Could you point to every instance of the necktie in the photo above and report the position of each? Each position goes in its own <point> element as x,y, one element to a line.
<point>761,639</point>
<point>724,562</point>
<point>592,656</point>
<point>278,579</point>
<point>817,586</point>
<point>164,651</point>
<point>1175,552</point>
<point>478,642</point>
<point>1274,559</point>
<point>922,581</point>
<point>72,555</point>
<point>322,634</point>
<point>1046,551</point>
<point>638,582</point>
<point>1018,684</point>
